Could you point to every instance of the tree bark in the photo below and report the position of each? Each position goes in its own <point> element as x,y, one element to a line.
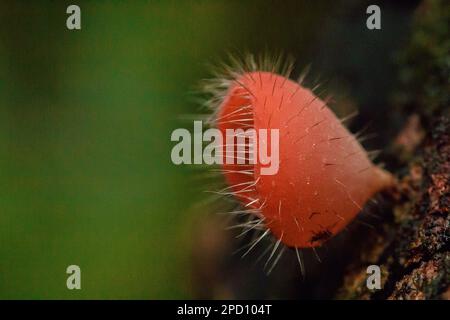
<point>413,247</point>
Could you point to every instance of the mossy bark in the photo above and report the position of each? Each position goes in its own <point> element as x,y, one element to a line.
<point>413,247</point>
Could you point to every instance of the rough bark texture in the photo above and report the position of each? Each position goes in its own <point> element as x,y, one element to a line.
<point>413,248</point>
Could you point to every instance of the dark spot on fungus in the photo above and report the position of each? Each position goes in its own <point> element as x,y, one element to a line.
<point>313,214</point>
<point>321,236</point>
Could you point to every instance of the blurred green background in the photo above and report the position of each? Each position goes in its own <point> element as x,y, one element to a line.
<point>85,123</point>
